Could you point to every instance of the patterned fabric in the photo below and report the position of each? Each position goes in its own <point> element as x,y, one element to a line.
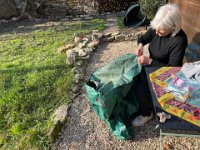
<point>188,109</point>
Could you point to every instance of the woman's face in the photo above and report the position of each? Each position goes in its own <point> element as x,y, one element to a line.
<point>163,32</point>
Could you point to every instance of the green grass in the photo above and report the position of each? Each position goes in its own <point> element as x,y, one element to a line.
<point>34,81</point>
<point>120,22</point>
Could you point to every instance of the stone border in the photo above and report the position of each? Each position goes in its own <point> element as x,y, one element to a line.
<point>77,55</point>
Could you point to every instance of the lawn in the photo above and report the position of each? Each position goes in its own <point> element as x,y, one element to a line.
<point>34,81</point>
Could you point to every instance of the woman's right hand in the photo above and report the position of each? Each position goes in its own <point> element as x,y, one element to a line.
<point>139,50</point>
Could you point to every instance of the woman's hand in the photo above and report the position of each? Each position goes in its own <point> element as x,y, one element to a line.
<point>139,50</point>
<point>144,60</point>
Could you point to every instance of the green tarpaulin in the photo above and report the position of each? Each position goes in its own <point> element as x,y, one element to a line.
<point>111,94</point>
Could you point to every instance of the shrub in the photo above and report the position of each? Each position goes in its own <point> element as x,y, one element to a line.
<point>150,7</point>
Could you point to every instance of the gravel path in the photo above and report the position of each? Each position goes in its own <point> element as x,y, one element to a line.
<point>85,131</point>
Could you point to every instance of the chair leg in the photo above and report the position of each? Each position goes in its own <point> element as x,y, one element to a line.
<point>161,145</point>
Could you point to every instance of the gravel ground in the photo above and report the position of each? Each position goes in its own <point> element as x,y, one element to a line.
<point>85,131</point>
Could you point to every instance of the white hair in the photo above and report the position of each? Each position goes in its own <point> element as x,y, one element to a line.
<point>167,17</point>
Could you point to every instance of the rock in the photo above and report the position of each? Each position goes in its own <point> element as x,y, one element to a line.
<point>108,13</point>
<point>140,33</point>
<point>64,48</point>
<point>65,19</point>
<point>59,118</point>
<point>133,38</point>
<point>85,57</point>
<point>60,114</point>
<point>127,38</point>
<point>76,19</point>
<point>95,31</point>
<point>82,53</point>
<point>115,33</point>
<point>97,36</point>
<point>108,39</point>
<point>78,37</point>
<point>93,44</point>
<point>78,76</point>
<point>79,63</point>
<point>88,18</point>
<point>76,88</point>
<point>119,38</point>
<point>88,50</point>
<point>83,42</point>
<point>79,70</point>
<point>71,57</point>
<point>105,35</point>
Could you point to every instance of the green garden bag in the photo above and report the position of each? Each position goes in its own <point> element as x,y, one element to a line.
<point>110,91</point>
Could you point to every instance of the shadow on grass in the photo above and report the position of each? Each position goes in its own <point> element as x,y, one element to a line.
<point>26,27</point>
<point>39,69</point>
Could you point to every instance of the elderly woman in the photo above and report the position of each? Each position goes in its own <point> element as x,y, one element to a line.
<point>167,44</point>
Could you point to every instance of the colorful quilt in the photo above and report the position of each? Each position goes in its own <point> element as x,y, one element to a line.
<point>179,97</point>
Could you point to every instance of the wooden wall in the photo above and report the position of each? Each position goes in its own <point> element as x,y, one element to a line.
<point>190,10</point>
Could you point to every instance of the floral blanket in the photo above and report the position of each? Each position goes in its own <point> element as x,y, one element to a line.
<point>177,94</point>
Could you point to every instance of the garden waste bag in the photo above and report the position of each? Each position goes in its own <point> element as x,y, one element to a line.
<point>110,91</point>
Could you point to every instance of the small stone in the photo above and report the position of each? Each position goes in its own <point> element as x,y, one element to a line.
<point>108,13</point>
<point>64,48</point>
<point>81,45</point>
<point>60,114</point>
<point>76,19</point>
<point>105,35</point>
<point>79,63</point>
<point>108,39</point>
<point>87,18</point>
<point>82,53</point>
<point>97,36</point>
<point>119,38</point>
<point>85,57</point>
<point>59,118</point>
<point>83,42</point>
<point>71,57</point>
<point>140,33</point>
<point>78,77</point>
<point>133,38</point>
<point>115,33</point>
<point>14,19</point>
<point>88,51</point>
<point>75,89</point>
<point>93,44</point>
<point>95,31</point>
<point>78,70</point>
<point>78,37</point>
<point>127,38</point>
<point>64,19</point>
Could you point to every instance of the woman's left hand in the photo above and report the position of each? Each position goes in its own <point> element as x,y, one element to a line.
<point>144,60</point>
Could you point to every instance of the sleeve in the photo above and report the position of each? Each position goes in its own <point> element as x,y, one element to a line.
<point>176,55</point>
<point>147,37</point>
<point>156,63</point>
